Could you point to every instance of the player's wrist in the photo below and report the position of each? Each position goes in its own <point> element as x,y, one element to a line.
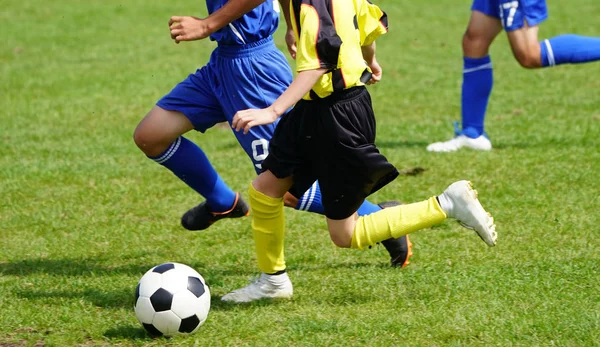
<point>275,111</point>
<point>209,25</point>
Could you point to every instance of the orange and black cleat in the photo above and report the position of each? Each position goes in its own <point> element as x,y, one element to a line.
<point>201,217</point>
<point>400,249</point>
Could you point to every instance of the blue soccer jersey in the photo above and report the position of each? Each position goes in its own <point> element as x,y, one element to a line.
<point>257,24</point>
<point>513,13</point>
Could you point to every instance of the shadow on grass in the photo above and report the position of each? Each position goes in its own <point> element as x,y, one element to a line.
<point>120,293</point>
<point>68,267</point>
<point>93,267</point>
<point>135,332</point>
<point>219,305</point>
<point>98,297</point>
<point>549,143</point>
<point>86,279</point>
<point>130,332</point>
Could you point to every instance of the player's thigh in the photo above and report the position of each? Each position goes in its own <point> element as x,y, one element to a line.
<point>521,19</point>
<point>272,186</point>
<point>481,32</point>
<point>525,46</point>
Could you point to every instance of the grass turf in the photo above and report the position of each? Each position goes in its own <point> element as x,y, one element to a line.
<point>84,214</point>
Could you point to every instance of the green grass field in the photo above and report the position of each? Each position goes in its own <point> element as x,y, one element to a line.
<point>83,214</point>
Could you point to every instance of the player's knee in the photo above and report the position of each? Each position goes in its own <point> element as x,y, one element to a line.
<point>340,238</point>
<point>342,242</point>
<point>528,61</point>
<point>140,137</point>
<point>146,141</point>
<point>475,44</point>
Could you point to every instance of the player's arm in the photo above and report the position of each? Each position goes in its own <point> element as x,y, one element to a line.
<point>310,65</point>
<point>188,28</point>
<point>290,38</point>
<point>299,87</point>
<point>372,23</point>
<point>368,53</point>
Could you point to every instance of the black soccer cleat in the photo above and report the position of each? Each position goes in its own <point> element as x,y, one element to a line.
<point>201,217</point>
<point>400,249</point>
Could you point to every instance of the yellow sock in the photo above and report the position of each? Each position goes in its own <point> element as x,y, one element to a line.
<point>396,221</point>
<point>268,225</point>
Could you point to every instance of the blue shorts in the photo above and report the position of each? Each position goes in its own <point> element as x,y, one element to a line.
<point>513,13</point>
<point>236,78</point>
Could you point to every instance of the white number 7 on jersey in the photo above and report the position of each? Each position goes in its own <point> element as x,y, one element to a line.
<point>512,10</point>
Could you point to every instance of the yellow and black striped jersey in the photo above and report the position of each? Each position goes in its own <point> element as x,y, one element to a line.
<point>329,35</point>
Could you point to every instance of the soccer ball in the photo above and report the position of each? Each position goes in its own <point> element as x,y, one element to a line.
<point>172,299</point>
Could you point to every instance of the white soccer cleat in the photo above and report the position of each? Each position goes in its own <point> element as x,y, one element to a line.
<point>467,210</point>
<point>480,143</point>
<point>264,287</point>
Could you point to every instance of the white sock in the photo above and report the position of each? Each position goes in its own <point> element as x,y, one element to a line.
<point>276,279</point>
<point>446,204</point>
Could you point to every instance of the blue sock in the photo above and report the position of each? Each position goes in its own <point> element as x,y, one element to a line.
<point>311,202</point>
<point>188,162</point>
<point>476,89</point>
<point>367,207</point>
<point>573,49</point>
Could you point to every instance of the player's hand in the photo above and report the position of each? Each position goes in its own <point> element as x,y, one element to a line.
<point>247,119</point>
<point>376,72</point>
<point>188,28</point>
<point>290,40</point>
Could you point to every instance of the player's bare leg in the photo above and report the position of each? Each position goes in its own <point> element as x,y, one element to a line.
<point>557,50</point>
<point>477,85</point>
<point>527,50</point>
<point>289,200</point>
<point>525,46</point>
<point>158,129</point>
<point>159,136</point>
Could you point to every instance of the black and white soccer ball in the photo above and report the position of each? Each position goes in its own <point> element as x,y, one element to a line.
<point>172,299</point>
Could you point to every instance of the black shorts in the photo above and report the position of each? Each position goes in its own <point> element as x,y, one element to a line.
<point>331,140</point>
